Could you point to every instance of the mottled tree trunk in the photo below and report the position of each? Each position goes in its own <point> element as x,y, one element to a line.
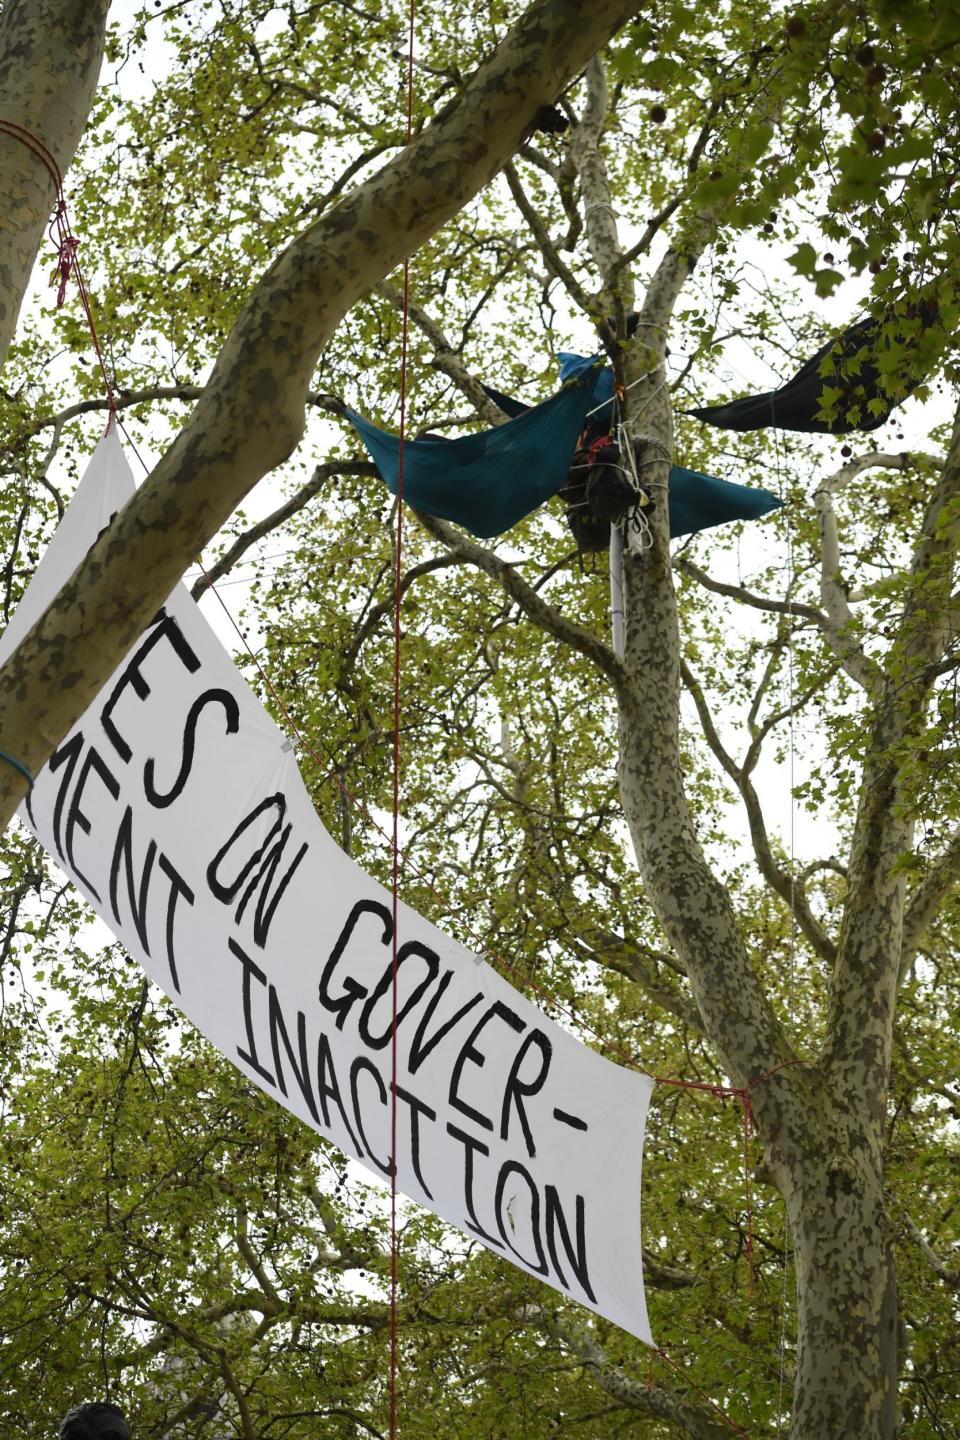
<point>821,1123</point>
<point>50,54</point>
<point>825,1157</point>
<point>847,1305</point>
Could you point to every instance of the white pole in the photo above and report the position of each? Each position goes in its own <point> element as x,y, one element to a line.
<point>616,592</point>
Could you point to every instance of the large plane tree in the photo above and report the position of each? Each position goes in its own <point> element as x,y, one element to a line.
<point>731,853</point>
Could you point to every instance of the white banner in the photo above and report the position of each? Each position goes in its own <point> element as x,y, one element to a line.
<point>177,807</point>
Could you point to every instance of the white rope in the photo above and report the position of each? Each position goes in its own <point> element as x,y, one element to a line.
<point>656,444</point>
<point>604,403</point>
<point>640,520</point>
<point>599,205</point>
<point>643,528</point>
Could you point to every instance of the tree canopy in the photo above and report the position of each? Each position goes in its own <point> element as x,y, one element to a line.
<point>732,850</point>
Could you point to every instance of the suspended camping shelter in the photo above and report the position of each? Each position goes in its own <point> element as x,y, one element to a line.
<point>859,400</point>
<point>490,480</point>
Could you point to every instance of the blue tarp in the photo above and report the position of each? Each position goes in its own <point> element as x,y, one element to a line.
<point>488,481</point>
<point>572,367</point>
<point>699,501</point>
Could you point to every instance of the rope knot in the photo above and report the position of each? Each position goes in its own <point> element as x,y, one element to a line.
<point>66,259</point>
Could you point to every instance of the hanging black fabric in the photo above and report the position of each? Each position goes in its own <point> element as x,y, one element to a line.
<point>843,373</point>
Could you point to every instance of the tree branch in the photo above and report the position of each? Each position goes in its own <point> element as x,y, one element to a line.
<point>125,399</point>
<point>789,888</point>
<point>243,1409</point>
<point>549,619</point>
<point>599,216</point>
<point>950,1277</point>
<point>377,613</point>
<point>925,902</point>
<point>445,358</point>
<point>563,177</point>
<point>815,866</point>
<point>547,248</point>
<point>278,517</point>
<point>251,414</point>
<point>639,964</point>
<point>841,627</point>
<point>747,597</point>
<point>253,1261</point>
<point>662,216</point>
<point>697,1421</point>
<point>870,955</point>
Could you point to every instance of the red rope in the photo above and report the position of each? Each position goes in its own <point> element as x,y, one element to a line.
<point>661,1354</point>
<point>67,244</point>
<point>395,838</point>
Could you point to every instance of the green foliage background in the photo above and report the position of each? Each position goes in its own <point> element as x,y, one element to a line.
<point>166,1233</point>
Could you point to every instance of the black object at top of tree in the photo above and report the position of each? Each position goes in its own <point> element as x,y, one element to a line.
<point>98,1420</point>
<point>796,405</point>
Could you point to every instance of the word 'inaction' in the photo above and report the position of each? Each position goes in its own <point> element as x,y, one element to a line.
<point>176,806</point>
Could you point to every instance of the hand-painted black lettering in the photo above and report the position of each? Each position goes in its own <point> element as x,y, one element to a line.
<point>417,1108</point>
<point>574,1121</point>
<point>178,887</point>
<point>123,853</point>
<point>227,890</point>
<point>278,1032</point>
<point>328,1085</point>
<point>65,755</point>
<point>497,1011</point>
<point>209,697</point>
<point>516,1088</point>
<point>168,630</point>
<point>470,1145</point>
<point>259,869</point>
<point>385,986</point>
<point>362,1063</point>
<point>75,816</point>
<point>556,1221</point>
<point>266,906</point>
<point>420,1049</point>
<point>513,1217</point>
<point>352,991</point>
<point>250,968</point>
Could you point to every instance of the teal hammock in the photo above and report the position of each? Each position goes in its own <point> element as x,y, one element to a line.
<point>490,480</point>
